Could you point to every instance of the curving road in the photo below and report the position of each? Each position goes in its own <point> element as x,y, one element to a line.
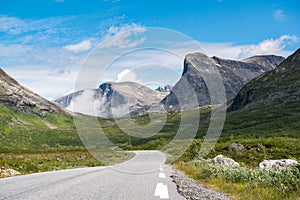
<point>143,177</point>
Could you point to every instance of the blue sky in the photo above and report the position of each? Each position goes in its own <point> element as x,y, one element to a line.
<point>44,43</point>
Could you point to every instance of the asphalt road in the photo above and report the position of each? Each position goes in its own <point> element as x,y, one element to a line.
<point>143,177</point>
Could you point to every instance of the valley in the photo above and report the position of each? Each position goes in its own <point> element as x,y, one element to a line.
<point>264,117</point>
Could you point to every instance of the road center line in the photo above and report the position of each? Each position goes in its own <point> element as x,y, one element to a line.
<point>161,191</point>
<point>162,175</point>
<point>161,168</point>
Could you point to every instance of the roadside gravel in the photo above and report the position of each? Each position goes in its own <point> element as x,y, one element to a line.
<point>191,190</point>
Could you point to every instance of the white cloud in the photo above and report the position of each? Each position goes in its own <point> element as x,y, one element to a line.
<point>269,46</point>
<point>80,47</point>
<point>121,37</point>
<point>11,25</point>
<point>128,75</point>
<point>122,74</point>
<point>279,16</point>
<point>86,103</point>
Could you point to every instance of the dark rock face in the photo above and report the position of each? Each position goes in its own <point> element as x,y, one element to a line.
<point>276,88</point>
<point>113,99</point>
<point>24,100</point>
<point>167,88</point>
<point>199,67</point>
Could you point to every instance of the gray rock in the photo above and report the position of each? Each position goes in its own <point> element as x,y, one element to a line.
<point>24,100</point>
<point>277,164</point>
<point>222,160</point>
<point>236,146</point>
<point>265,60</point>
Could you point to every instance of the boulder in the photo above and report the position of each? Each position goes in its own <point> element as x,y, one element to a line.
<point>236,146</point>
<point>222,160</point>
<point>7,172</point>
<point>277,164</point>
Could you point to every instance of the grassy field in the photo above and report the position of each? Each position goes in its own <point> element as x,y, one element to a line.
<point>30,144</point>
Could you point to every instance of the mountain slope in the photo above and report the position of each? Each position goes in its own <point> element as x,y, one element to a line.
<point>27,121</point>
<point>269,105</point>
<point>24,100</point>
<point>235,75</point>
<point>112,99</point>
<point>277,87</point>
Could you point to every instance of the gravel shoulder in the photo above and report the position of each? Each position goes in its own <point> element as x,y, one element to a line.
<point>191,190</point>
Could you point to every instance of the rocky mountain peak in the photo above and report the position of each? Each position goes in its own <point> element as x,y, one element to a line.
<point>265,60</point>
<point>235,75</point>
<point>24,100</point>
<point>121,98</point>
<point>166,88</point>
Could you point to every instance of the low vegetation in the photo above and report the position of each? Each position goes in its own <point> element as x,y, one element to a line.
<point>245,183</point>
<point>31,162</point>
<point>29,143</point>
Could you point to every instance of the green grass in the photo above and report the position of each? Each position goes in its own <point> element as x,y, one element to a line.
<point>31,162</point>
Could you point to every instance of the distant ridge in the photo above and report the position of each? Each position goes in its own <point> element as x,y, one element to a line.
<point>20,98</point>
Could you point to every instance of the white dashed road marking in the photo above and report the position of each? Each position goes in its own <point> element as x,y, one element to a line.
<point>161,168</point>
<point>162,175</point>
<point>161,191</point>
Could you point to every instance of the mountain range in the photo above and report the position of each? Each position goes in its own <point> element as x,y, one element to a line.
<point>120,99</point>
<point>266,105</point>
<point>112,99</point>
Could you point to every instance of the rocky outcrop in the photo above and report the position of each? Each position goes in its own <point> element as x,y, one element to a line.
<point>222,160</point>
<point>198,68</point>
<point>24,100</point>
<point>112,99</point>
<point>282,164</point>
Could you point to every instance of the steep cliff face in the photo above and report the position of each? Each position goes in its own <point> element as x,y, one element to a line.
<point>112,99</point>
<point>278,87</point>
<point>235,74</point>
<point>24,100</point>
